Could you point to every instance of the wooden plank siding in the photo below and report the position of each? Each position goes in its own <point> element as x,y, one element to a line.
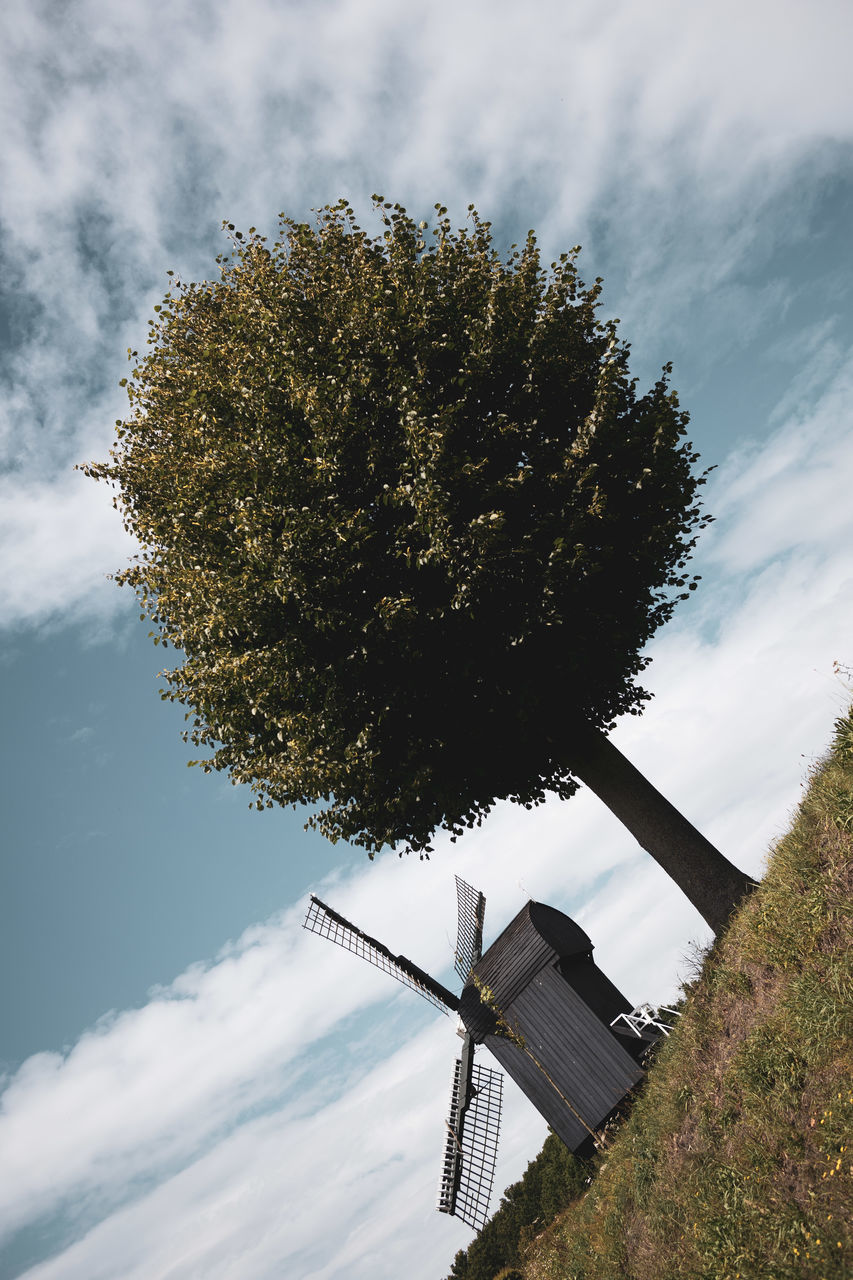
<point>538,936</point>
<point>535,1087</point>
<point>553,996</point>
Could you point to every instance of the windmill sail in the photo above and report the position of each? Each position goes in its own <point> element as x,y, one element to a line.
<point>471,1144</point>
<point>328,924</point>
<point>470,1153</point>
<point>471,906</point>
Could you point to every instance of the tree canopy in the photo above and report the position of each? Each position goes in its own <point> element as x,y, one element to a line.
<point>405,513</point>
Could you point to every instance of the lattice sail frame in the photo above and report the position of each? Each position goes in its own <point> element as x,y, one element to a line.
<point>322,920</point>
<point>471,909</point>
<point>465,1192</point>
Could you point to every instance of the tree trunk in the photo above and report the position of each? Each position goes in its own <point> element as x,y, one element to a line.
<point>713,884</point>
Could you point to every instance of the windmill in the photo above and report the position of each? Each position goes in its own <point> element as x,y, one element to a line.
<point>536,999</point>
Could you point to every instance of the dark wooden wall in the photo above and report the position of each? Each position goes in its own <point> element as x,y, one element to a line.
<point>557,1005</point>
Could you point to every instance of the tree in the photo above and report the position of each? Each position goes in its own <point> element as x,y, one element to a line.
<point>408,518</point>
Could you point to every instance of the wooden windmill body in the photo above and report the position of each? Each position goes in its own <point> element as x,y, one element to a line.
<point>542,1007</point>
<point>547,1021</point>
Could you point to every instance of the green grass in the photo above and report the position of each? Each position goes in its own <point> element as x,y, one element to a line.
<point>737,1159</point>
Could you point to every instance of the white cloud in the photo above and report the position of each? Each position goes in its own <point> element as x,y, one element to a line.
<point>60,543</point>
<point>129,132</point>
<point>796,498</point>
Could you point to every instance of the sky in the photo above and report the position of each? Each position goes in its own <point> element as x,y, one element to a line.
<point>192,1085</point>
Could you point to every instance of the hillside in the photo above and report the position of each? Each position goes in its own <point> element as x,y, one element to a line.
<point>737,1160</point>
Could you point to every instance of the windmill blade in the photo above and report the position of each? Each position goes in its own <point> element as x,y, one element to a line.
<point>471,907</point>
<point>471,1145</point>
<point>461,1090</point>
<point>480,1148</point>
<point>328,924</point>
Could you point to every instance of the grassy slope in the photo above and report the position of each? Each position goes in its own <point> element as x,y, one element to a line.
<point>737,1160</point>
